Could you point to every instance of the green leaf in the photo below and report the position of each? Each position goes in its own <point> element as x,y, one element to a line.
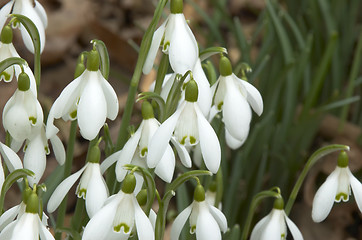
<point>208,52</point>
<point>10,180</point>
<point>103,54</point>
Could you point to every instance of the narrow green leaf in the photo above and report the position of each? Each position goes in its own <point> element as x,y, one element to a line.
<point>185,177</point>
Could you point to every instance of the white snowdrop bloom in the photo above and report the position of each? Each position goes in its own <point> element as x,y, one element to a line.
<point>22,113</point>
<point>88,98</point>
<point>11,160</point>
<point>189,127</point>
<point>7,50</point>
<point>91,187</point>
<point>176,39</point>
<point>136,149</point>
<point>28,225</point>
<point>34,11</point>
<point>121,216</point>
<point>206,220</point>
<point>337,187</point>
<point>36,149</point>
<point>234,97</point>
<point>274,225</point>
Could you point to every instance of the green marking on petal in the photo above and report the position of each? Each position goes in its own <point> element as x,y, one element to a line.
<point>73,114</point>
<point>192,140</point>
<point>219,106</point>
<point>282,236</point>
<point>193,229</point>
<point>82,193</point>
<point>6,76</point>
<point>118,228</point>
<point>46,148</point>
<point>341,196</point>
<point>183,140</point>
<point>32,120</point>
<point>144,152</point>
<point>166,46</point>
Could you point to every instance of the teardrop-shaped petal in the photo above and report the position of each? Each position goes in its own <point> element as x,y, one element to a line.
<point>324,198</point>
<point>236,113</point>
<point>11,159</point>
<point>183,51</point>
<point>8,231</point>
<point>35,159</point>
<point>209,143</point>
<point>109,161</point>
<point>259,228</point>
<point>143,224</point>
<point>273,229</point>
<point>232,142</point>
<point>44,232</point>
<point>166,166</point>
<point>219,217</point>
<point>27,227</point>
<point>206,226</point>
<point>161,138</point>
<point>182,153</point>
<point>205,98</point>
<point>58,149</point>
<point>97,191</point>
<point>4,12</point>
<point>155,44</point>
<point>92,108</point>
<point>8,216</point>
<point>357,189</point>
<point>253,96</point>
<point>39,9</point>
<point>63,188</point>
<point>297,235</point>
<point>179,222</point>
<point>111,97</point>
<point>101,222</point>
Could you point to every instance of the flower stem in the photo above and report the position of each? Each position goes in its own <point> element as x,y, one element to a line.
<point>67,171</point>
<point>311,161</point>
<point>76,221</point>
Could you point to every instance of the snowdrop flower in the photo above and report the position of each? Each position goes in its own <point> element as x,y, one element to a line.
<point>189,127</point>
<point>28,225</point>
<point>176,40</point>
<point>234,97</point>
<point>11,160</point>
<point>89,98</point>
<point>120,216</point>
<point>136,149</point>
<point>273,227</point>
<point>22,113</point>
<point>34,11</point>
<point>91,187</point>
<point>36,149</point>
<point>7,50</point>
<point>206,220</point>
<point>337,187</point>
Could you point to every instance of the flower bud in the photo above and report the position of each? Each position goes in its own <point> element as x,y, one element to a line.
<point>342,160</point>
<point>279,203</point>
<point>23,82</point>
<point>32,205</point>
<point>177,6</point>
<point>147,110</point>
<point>129,184</point>
<point>191,92</point>
<point>199,193</point>
<point>79,69</point>
<point>142,197</point>
<point>94,154</point>
<point>26,193</point>
<point>225,66</point>
<point>93,61</point>
<point>6,35</point>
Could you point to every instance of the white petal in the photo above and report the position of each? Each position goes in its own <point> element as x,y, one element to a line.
<point>219,217</point>
<point>166,166</point>
<point>206,226</point>
<point>8,231</point>
<point>44,232</point>
<point>167,85</point>
<point>109,161</point>
<point>209,143</point>
<point>8,216</point>
<point>205,98</point>
<point>4,12</point>
<point>297,235</point>
<point>161,138</point>
<point>112,235</point>
<point>127,153</point>
<point>27,227</point>
<point>155,44</point>
<point>232,142</point>
<point>153,217</point>
<point>272,229</point>
<point>139,183</point>
<point>11,159</point>
<point>236,113</point>
<point>259,228</point>
<point>97,191</point>
<point>111,97</point>
<point>357,190</point>
<point>182,153</point>
<point>92,108</point>
<point>143,224</point>
<point>35,159</point>
<point>58,149</point>
<point>63,188</point>
<point>101,223</point>
<point>254,98</point>
<point>179,222</point>
<point>41,13</point>
<point>183,50</point>
<point>324,198</point>
<point>2,179</point>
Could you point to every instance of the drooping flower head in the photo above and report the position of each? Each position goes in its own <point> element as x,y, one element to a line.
<point>89,98</point>
<point>190,127</point>
<point>274,225</point>
<point>120,217</point>
<point>234,96</point>
<point>176,39</point>
<point>205,220</point>
<point>34,11</point>
<point>336,188</point>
